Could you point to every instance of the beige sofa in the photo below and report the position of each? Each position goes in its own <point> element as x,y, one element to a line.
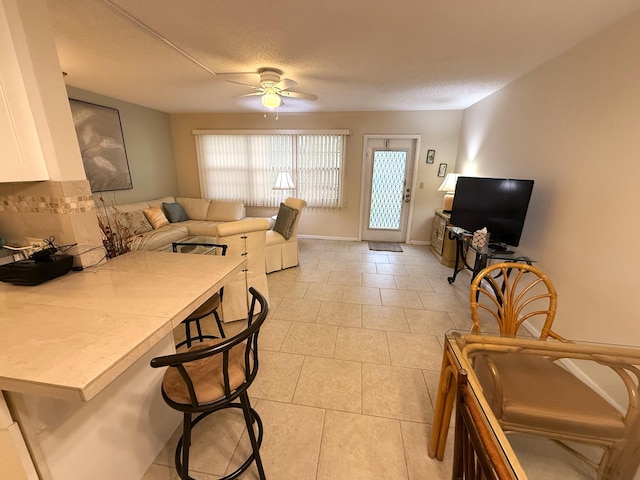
<point>280,252</point>
<point>204,215</point>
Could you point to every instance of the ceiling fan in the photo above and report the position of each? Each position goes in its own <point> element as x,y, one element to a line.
<point>272,88</point>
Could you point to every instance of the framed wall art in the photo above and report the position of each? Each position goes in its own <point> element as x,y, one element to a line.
<point>101,144</point>
<point>442,170</point>
<point>431,156</point>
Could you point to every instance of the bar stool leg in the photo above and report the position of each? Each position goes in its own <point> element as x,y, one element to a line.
<point>182,449</point>
<point>248,418</point>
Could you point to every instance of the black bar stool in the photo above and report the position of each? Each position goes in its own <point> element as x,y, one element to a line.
<point>208,378</point>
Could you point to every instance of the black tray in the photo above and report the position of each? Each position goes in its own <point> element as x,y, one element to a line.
<point>32,272</point>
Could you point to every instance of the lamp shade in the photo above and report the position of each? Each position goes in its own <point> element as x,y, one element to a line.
<point>449,186</point>
<point>284,182</point>
<point>449,183</point>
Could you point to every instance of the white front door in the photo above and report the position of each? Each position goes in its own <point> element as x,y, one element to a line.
<point>388,177</point>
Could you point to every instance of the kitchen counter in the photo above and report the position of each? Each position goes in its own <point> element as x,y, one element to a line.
<point>75,353</point>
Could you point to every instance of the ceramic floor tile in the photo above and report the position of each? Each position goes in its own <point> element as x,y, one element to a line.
<point>325,292</point>
<point>417,271</point>
<point>419,465</point>
<point>391,269</point>
<point>373,258</point>
<point>361,295</point>
<point>415,351</point>
<point>384,318</point>
<point>272,334</point>
<point>402,259</point>
<point>214,440</point>
<point>420,284</point>
<point>297,310</point>
<point>311,339</point>
<point>400,298</point>
<point>329,383</point>
<point>288,289</point>
<point>428,322</point>
<point>378,280</point>
<point>343,314</point>
<point>443,302</point>
<point>360,447</point>
<point>395,392</point>
<point>158,472</point>
<point>313,276</point>
<point>277,376</point>
<point>432,377</point>
<point>291,444</point>
<point>345,278</point>
<point>362,345</point>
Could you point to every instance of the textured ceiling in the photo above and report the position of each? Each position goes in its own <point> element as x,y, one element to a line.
<point>356,55</point>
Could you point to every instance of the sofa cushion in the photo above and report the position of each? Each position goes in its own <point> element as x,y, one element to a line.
<point>174,212</point>
<point>159,201</point>
<point>285,221</point>
<point>224,211</point>
<point>156,217</point>
<point>160,238</point>
<point>196,208</point>
<point>137,221</point>
<point>132,207</point>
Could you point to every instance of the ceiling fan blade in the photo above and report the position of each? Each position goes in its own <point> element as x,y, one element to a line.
<point>245,84</point>
<point>224,74</point>
<point>249,94</point>
<point>306,96</point>
<point>285,83</point>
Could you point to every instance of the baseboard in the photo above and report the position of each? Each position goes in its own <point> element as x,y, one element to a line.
<point>323,237</point>
<point>355,239</point>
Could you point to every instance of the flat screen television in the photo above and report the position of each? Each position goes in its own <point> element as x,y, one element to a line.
<point>500,204</point>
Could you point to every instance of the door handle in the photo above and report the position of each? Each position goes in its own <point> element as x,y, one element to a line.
<point>407,196</point>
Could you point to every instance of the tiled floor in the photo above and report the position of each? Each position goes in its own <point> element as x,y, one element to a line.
<point>350,358</point>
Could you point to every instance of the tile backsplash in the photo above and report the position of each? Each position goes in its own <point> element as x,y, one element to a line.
<point>61,209</point>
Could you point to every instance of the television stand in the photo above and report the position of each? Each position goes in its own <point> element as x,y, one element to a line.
<point>482,254</point>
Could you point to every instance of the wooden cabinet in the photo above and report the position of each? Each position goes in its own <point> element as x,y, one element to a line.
<point>442,246</point>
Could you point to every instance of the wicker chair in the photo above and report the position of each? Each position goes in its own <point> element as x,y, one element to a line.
<point>209,377</point>
<point>537,395</point>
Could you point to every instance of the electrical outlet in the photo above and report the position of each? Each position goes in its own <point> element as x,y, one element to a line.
<point>35,243</point>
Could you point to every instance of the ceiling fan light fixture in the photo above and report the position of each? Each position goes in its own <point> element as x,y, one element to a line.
<point>271,100</point>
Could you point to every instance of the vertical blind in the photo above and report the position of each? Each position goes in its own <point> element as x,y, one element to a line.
<point>245,166</point>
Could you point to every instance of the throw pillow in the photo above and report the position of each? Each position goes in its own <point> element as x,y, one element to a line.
<point>156,217</point>
<point>285,221</point>
<point>138,222</point>
<point>174,212</point>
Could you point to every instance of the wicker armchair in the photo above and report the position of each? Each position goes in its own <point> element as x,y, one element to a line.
<point>537,394</point>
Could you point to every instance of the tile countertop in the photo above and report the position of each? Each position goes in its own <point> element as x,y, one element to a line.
<point>70,337</point>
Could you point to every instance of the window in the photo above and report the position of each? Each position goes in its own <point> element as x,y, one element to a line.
<point>244,166</point>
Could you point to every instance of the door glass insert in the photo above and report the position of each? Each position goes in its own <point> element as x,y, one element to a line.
<point>387,188</point>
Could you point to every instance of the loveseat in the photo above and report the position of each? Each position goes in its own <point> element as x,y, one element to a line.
<point>202,216</point>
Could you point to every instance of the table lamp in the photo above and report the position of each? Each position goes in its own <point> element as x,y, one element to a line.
<point>284,182</point>
<point>449,186</point>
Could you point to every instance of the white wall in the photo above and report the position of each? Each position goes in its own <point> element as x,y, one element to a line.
<point>573,125</point>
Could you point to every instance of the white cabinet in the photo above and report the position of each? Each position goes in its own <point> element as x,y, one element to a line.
<point>20,149</point>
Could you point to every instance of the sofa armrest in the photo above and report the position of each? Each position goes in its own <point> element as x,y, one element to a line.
<point>242,226</point>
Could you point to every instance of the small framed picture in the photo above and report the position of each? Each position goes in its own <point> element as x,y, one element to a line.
<point>431,156</point>
<point>442,170</point>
